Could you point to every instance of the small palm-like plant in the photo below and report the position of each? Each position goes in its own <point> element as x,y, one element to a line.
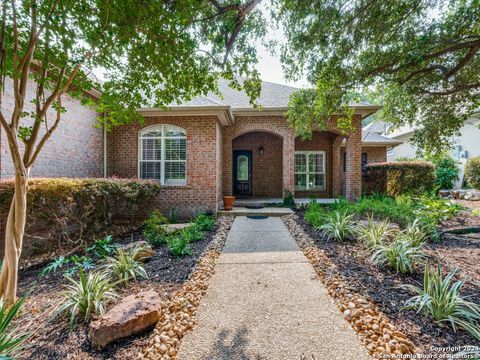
<point>374,234</point>
<point>414,233</point>
<point>400,255</point>
<point>10,340</point>
<point>337,225</point>
<point>440,298</point>
<point>87,296</point>
<point>124,266</point>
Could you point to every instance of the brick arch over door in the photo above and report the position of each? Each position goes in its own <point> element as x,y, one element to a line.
<point>267,166</point>
<point>275,125</point>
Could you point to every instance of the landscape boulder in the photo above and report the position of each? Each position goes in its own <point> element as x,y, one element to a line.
<point>133,315</point>
<point>472,195</point>
<point>145,251</point>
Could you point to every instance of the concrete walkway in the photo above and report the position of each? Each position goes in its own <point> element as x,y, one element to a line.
<point>266,302</point>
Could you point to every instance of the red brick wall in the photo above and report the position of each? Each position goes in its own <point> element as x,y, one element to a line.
<point>267,168</point>
<point>375,153</point>
<point>200,191</point>
<point>321,141</point>
<point>74,150</point>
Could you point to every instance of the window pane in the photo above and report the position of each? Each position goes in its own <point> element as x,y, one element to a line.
<point>172,131</point>
<point>242,168</point>
<point>316,181</point>
<point>300,181</point>
<point>154,133</point>
<point>150,170</point>
<point>174,171</point>
<point>300,163</point>
<point>175,149</point>
<point>151,149</point>
<point>315,163</point>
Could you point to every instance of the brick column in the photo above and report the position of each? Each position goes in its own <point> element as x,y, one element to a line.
<point>337,169</point>
<point>354,164</point>
<point>289,161</point>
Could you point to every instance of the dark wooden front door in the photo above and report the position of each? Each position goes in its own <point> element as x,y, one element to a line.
<point>242,172</point>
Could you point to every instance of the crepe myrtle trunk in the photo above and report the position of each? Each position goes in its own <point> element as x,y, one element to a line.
<point>14,232</point>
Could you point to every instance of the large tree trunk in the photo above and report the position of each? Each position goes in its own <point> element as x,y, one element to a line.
<point>14,232</point>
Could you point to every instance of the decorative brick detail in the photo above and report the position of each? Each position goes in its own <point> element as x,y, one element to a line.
<point>74,150</point>
<point>353,179</point>
<point>337,166</point>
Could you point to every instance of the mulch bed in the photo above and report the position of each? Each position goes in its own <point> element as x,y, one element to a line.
<point>382,287</point>
<point>52,338</point>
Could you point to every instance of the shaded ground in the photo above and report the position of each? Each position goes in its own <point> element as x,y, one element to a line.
<point>382,286</point>
<point>469,203</point>
<point>52,340</point>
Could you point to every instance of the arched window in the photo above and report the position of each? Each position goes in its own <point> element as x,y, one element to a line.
<point>163,154</point>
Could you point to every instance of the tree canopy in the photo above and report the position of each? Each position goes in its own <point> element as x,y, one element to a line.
<point>421,56</point>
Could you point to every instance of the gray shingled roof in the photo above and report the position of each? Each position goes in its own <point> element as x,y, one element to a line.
<point>377,127</point>
<point>373,138</point>
<point>272,96</point>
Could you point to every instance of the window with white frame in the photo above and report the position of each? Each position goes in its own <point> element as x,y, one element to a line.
<point>310,170</point>
<point>163,154</point>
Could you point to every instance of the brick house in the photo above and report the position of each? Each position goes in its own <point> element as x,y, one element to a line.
<point>213,146</point>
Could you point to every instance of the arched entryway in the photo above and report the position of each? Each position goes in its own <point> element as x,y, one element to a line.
<point>257,159</point>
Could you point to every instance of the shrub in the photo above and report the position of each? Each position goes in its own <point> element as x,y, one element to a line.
<point>400,177</point>
<point>103,247</point>
<point>315,213</point>
<point>65,211</point>
<point>55,265</point>
<point>400,255</point>
<point>374,234</point>
<point>288,199</point>
<point>337,225</point>
<point>205,222</point>
<point>415,234</point>
<point>87,296</point>
<point>123,266</point>
<point>155,228</point>
<point>179,246</point>
<point>73,263</point>
<point>435,210</point>
<point>440,298</point>
<point>192,233</point>
<point>447,171</point>
<point>10,339</point>
<point>472,172</point>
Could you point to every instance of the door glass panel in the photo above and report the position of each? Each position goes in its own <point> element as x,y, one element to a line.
<point>242,168</point>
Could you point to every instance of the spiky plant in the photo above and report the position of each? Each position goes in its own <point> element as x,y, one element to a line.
<point>87,296</point>
<point>124,267</point>
<point>374,233</point>
<point>400,255</point>
<point>440,298</point>
<point>337,225</point>
<point>10,339</point>
<point>415,233</point>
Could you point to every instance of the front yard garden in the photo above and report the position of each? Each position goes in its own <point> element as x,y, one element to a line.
<point>398,265</point>
<point>67,295</point>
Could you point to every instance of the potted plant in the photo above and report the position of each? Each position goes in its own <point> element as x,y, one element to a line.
<point>228,202</point>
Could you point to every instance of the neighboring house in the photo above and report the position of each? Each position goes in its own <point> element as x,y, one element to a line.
<point>464,146</point>
<point>213,146</point>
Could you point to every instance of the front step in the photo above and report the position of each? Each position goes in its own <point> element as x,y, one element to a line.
<point>267,211</point>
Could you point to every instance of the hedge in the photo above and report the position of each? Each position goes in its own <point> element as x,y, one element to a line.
<point>400,177</point>
<point>67,213</point>
<point>472,172</point>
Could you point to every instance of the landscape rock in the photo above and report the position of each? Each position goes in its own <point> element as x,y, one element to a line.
<point>444,193</point>
<point>458,194</point>
<point>133,315</point>
<point>145,251</point>
<point>177,227</point>
<point>472,195</point>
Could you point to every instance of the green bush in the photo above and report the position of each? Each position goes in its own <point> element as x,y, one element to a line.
<point>124,266</point>
<point>440,298</point>
<point>337,225</point>
<point>205,222</point>
<point>288,199</point>
<point>374,234</point>
<point>87,296</point>
<point>472,172</point>
<point>179,246</point>
<point>400,255</point>
<point>65,211</point>
<point>447,171</point>
<point>400,177</point>
<point>415,234</point>
<point>103,247</point>
<point>315,214</point>
<point>193,233</point>
<point>156,228</point>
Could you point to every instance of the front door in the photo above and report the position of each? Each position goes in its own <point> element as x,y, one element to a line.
<point>242,172</point>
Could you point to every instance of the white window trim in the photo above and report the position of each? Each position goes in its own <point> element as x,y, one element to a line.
<point>162,161</point>
<point>308,172</point>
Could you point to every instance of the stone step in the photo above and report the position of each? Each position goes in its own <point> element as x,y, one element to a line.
<point>266,211</point>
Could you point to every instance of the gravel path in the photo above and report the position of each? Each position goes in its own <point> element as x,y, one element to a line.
<point>266,302</point>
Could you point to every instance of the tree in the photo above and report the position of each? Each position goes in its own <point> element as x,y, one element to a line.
<point>422,57</point>
<point>152,51</point>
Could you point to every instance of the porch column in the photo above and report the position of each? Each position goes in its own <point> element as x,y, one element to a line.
<point>337,168</point>
<point>353,172</point>
<point>289,161</point>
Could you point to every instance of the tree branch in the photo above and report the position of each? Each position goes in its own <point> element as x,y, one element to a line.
<point>453,90</point>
